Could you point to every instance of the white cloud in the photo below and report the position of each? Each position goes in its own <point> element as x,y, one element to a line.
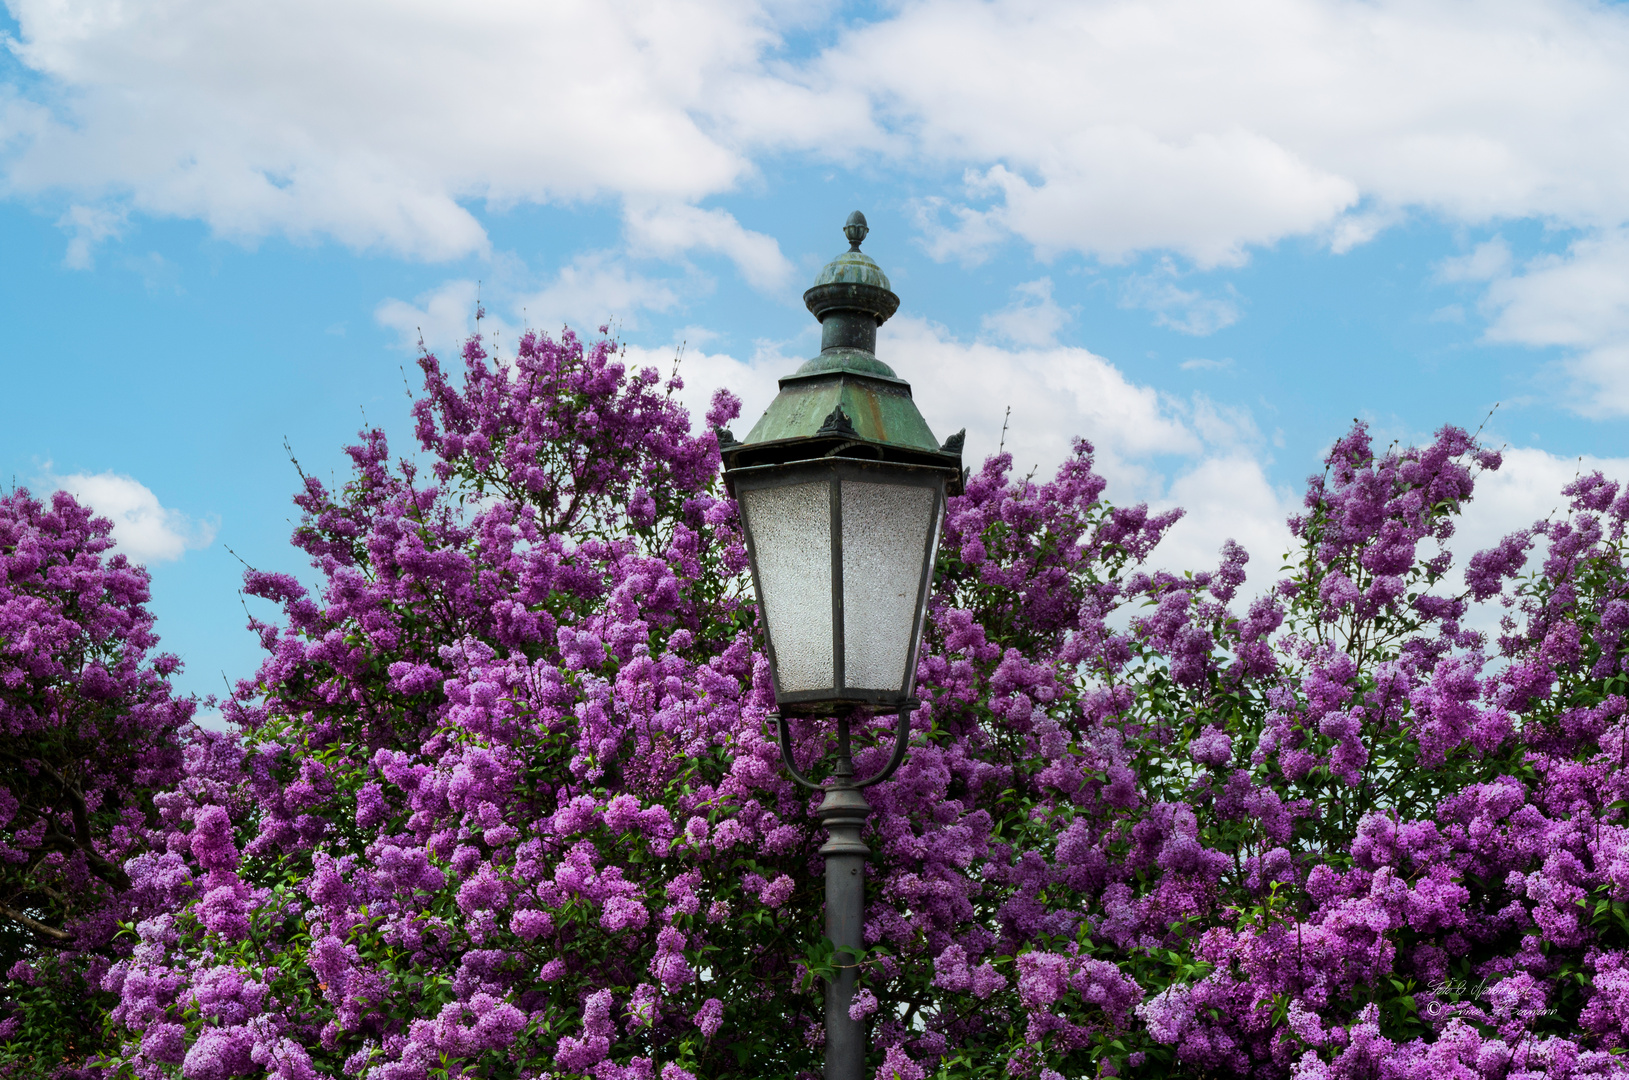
<point>441,319</point>
<point>1578,301</point>
<point>1185,310</point>
<point>1151,447</point>
<point>672,229</point>
<point>212,720</point>
<point>1056,392</point>
<point>754,381</point>
<point>1231,191</point>
<point>86,227</point>
<point>1228,497</point>
<point>697,335</point>
<point>1525,489</point>
<point>1581,299</point>
<point>1154,448</point>
<point>970,237</point>
<point>1207,128</point>
<point>1601,375</point>
<point>1107,128</point>
<point>1488,260</point>
<point>1358,227</point>
<point>143,529</point>
<point>595,290</point>
<point>1033,318</point>
<point>370,122</point>
<point>1228,427</point>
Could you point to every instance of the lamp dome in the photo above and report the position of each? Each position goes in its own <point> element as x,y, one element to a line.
<point>853,268</point>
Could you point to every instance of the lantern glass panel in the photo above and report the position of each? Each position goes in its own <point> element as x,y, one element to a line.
<point>791,529</point>
<point>886,534</point>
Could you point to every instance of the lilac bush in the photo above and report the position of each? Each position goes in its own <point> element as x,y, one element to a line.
<point>506,803</point>
<point>89,729</point>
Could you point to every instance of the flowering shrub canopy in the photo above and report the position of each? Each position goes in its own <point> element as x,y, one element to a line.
<point>88,731</point>
<point>506,805</point>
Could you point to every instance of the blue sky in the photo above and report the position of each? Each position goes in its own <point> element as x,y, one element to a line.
<point>1205,236</point>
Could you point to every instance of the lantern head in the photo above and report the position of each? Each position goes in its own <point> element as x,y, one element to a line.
<point>842,489</point>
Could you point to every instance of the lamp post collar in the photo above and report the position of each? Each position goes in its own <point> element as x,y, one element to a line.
<point>851,297</point>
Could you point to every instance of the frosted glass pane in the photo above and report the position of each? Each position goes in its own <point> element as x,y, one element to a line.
<point>885,532</point>
<point>791,539</point>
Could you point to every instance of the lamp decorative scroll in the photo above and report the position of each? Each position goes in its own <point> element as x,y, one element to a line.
<point>837,423</point>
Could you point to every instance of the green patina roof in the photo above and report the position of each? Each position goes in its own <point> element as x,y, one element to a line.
<point>879,412</point>
<point>845,395</point>
<point>853,268</point>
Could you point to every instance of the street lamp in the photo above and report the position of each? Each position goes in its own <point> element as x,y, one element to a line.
<point>842,489</point>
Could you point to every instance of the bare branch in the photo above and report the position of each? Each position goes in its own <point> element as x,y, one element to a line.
<point>35,925</point>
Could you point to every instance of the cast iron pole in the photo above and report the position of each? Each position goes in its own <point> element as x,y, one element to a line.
<point>843,812</point>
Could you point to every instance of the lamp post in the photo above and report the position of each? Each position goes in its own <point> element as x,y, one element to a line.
<point>842,489</point>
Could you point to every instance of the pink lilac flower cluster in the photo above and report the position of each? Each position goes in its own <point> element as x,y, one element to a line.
<point>89,729</point>
<point>506,801</point>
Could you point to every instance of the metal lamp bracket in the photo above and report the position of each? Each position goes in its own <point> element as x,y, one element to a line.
<point>843,811</point>
<point>845,779</point>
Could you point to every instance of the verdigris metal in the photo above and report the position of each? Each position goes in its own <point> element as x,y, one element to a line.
<point>851,297</point>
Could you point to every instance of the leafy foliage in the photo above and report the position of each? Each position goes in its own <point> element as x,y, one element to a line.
<point>89,730</point>
<point>506,803</point>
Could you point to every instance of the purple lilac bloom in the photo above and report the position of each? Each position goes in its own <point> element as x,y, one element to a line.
<point>506,786</point>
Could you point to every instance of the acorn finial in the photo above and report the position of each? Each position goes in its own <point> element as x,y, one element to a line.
<point>855,229</point>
